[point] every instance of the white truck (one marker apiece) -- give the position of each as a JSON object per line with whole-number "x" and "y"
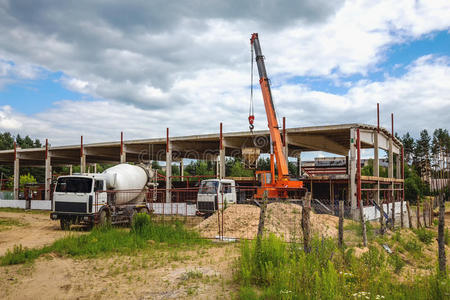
{"x": 113, "y": 196}
{"x": 213, "y": 192}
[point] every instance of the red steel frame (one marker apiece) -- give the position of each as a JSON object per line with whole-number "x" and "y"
{"x": 358, "y": 168}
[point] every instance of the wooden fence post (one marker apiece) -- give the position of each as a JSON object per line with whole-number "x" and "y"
{"x": 341, "y": 223}
{"x": 382, "y": 224}
{"x": 262, "y": 215}
{"x": 431, "y": 211}
{"x": 441, "y": 242}
{"x": 424, "y": 211}
{"x": 418, "y": 216}
{"x": 409, "y": 215}
{"x": 401, "y": 212}
{"x": 306, "y": 223}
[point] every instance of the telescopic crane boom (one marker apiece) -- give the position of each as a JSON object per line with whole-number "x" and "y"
{"x": 276, "y": 188}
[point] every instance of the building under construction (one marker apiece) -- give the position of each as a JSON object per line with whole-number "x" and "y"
{"x": 328, "y": 180}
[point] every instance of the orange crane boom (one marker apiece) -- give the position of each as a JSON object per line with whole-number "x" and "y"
{"x": 282, "y": 166}
{"x": 275, "y": 188}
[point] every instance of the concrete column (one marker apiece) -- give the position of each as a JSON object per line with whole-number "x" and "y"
{"x": 286, "y": 149}
{"x": 352, "y": 173}
{"x": 123, "y": 152}
{"x": 70, "y": 170}
{"x": 169, "y": 173}
{"x": 299, "y": 164}
{"x": 48, "y": 177}
{"x": 376, "y": 166}
{"x": 16, "y": 178}
{"x": 222, "y": 163}
{"x": 95, "y": 168}
{"x": 398, "y": 161}
{"x": 218, "y": 166}
{"x": 182, "y": 170}
{"x": 123, "y": 157}
{"x": 391, "y": 160}
{"x": 83, "y": 164}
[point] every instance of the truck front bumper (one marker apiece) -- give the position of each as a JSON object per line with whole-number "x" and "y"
{"x": 81, "y": 216}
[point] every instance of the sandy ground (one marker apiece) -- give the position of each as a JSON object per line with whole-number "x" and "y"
{"x": 283, "y": 219}
{"x": 39, "y": 231}
{"x": 203, "y": 273}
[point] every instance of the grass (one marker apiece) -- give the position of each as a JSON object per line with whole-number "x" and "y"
{"x": 108, "y": 240}
{"x": 424, "y": 235}
{"x": 7, "y": 223}
{"x": 357, "y": 228}
{"x": 20, "y": 210}
{"x": 272, "y": 269}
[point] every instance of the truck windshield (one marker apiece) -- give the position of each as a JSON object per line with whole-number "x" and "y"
{"x": 74, "y": 185}
{"x": 208, "y": 187}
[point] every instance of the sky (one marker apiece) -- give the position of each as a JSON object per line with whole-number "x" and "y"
{"x": 96, "y": 68}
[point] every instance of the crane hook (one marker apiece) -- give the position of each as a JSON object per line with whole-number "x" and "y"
{"x": 251, "y": 119}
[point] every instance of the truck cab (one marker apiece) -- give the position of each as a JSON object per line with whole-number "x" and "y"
{"x": 77, "y": 198}
{"x": 215, "y": 192}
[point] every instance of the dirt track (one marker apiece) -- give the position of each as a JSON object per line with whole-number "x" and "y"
{"x": 39, "y": 231}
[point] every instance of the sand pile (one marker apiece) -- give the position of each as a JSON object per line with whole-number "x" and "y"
{"x": 240, "y": 220}
{"x": 283, "y": 219}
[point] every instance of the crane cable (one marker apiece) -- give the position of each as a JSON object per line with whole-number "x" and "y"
{"x": 251, "y": 116}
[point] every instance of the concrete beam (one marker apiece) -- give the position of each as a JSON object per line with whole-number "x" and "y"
{"x": 318, "y": 143}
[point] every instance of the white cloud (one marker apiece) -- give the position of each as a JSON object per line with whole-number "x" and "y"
{"x": 188, "y": 67}
{"x": 420, "y": 99}
{"x": 7, "y": 120}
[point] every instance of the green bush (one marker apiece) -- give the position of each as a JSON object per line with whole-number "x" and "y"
{"x": 412, "y": 246}
{"x": 141, "y": 223}
{"x": 396, "y": 262}
{"x": 424, "y": 235}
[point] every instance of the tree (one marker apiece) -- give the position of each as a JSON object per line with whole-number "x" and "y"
{"x": 421, "y": 158}
{"x": 27, "y": 179}
{"x": 408, "y": 147}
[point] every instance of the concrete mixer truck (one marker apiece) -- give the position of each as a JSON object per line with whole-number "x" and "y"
{"x": 113, "y": 196}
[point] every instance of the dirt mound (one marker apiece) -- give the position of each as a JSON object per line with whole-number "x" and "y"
{"x": 283, "y": 219}
{"x": 240, "y": 220}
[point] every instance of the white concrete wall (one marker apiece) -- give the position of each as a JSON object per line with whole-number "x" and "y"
{"x": 41, "y": 204}
{"x": 35, "y": 204}
{"x": 173, "y": 209}
{"x": 372, "y": 213}
{"x": 13, "y": 203}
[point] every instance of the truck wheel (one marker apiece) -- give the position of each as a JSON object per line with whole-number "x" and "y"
{"x": 104, "y": 218}
{"x": 143, "y": 210}
{"x": 131, "y": 216}
{"x": 65, "y": 223}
